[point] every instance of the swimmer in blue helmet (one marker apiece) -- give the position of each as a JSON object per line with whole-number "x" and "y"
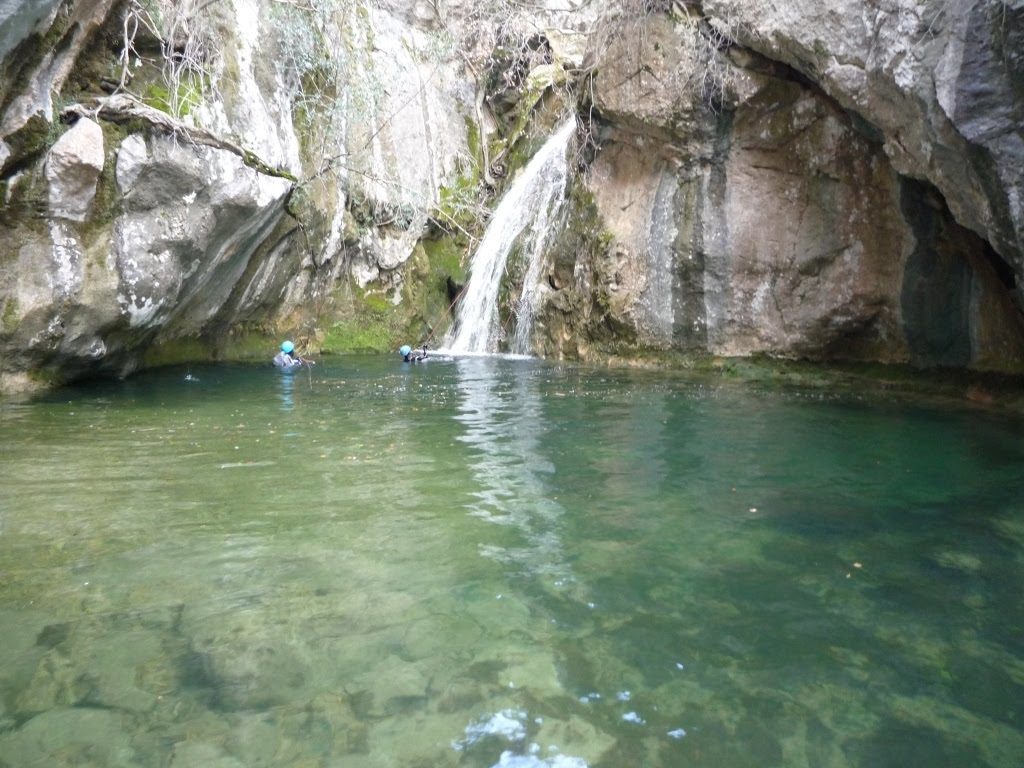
{"x": 408, "y": 357}
{"x": 287, "y": 358}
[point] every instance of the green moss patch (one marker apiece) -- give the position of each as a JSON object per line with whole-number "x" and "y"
{"x": 361, "y": 335}
{"x": 179, "y": 103}
{"x": 445, "y": 259}
{"x": 370, "y": 323}
{"x": 243, "y": 344}
{"x": 176, "y": 351}
{"x": 250, "y": 345}
{"x": 10, "y": 317}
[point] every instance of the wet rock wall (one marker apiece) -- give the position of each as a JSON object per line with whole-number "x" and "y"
{"x": 750, "y": 211}
{"x": 819, "y": 180}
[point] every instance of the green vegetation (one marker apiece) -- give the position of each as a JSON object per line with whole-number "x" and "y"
{"x": 444, "y": 256}
{"x": 10, "y": 316}
{"x": 251, "y": 343}
{"x": 187, "y": 96}
{"x": 459, "y": 207}
{"x": 371, "y": 324}
{"x": 434, "y": 263}
{"x": 473, "y": 143}
{"x": 365, "y": 334}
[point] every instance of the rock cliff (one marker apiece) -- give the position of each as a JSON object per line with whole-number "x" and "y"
{"x": 825, "y": 180}
{"x": 761, "y": 201}
{"x": 292, "y": 153}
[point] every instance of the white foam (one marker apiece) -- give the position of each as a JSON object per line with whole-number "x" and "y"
{"x": 509, "y": 760}
{"x": 508, "y": 724}
{"x": 448, "y": 352}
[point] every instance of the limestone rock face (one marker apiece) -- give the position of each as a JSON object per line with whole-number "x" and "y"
{"x": 405, "y": 142}
{"x": 113, "y": 245}
{"x": 88, "y": 295}
{"x": 752, "y": 212}
{"x": 33, "y": 74}
{"x": 818, "y": 178}
{"x": 804, "y": 250}
{"x": 18, "y": 20}
{"x": 191, "y": 222}
{"x": 942, "y": 83}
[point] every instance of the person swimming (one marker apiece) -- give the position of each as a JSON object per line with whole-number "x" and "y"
{"x": 287, "y": 358}
{"x": 408, "y": 356}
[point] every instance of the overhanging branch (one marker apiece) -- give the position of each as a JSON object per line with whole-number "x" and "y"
{"x": 122, "y": 108}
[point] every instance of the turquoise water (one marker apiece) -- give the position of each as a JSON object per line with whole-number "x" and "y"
{"x": 504, "y": 563}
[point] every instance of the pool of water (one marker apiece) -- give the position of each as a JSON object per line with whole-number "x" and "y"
{"x": 482, "y": 562}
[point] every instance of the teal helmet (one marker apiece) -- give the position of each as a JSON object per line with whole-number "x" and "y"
{"x": 287, "y": 347}
{"x": 405, "y": 350}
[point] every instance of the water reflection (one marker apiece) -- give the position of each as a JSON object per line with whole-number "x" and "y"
{"x": 287, "y": 385}
{"x": 631, "y": 461}
{"x": 501, "y": 409}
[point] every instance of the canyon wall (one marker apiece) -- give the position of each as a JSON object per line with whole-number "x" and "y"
{"x": 825, "y": 180}
{"x": 297, "y": 159}
{"x": 759, "y": 204}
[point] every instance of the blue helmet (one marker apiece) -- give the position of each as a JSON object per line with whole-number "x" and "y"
{"x": 287, "y": 347}
{"x": 405, "y": 350}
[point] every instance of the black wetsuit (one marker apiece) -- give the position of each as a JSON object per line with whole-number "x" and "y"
{"x": 285, "y": 360}
{"x": 415, "y": 358}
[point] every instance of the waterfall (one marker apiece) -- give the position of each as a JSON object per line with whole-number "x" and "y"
{"x": 530, "y": 205}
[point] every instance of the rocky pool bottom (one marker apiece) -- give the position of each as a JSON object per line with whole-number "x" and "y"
{"x": 484, "y": 562}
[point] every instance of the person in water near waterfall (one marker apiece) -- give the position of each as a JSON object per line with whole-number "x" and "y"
{"x": 409, "y": 357}
{"x": 287, "y": 358}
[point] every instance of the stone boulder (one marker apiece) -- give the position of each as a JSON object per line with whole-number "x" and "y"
{"x": 73, "y": 167}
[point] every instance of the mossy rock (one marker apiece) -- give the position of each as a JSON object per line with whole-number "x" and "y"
{"x": 445, "y": 257}
{"x": 473, "y": 138}
{"x": 368, "y": 323}
{"x": 33, "y": 139}
{"x": 360, "y": 335}
{"x": 176, "y": 351}
{"x": 252, "y": 344}
{"x": 11, "y": 316}
{"x": 457, "y": 210}
{"x": 435, "y": 271}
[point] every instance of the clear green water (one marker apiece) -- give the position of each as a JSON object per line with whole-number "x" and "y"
{"x": 485, "y": 562}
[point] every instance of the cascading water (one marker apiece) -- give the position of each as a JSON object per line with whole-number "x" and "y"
{"x": 530, "y": 205}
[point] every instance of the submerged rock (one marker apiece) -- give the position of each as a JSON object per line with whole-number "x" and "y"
{"x": 76, "y": 736}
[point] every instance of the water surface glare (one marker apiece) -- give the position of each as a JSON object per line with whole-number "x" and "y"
{"x": 489, "y": 562}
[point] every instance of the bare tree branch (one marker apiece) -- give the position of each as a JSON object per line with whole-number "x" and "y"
{"x": 121, "y": 108}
